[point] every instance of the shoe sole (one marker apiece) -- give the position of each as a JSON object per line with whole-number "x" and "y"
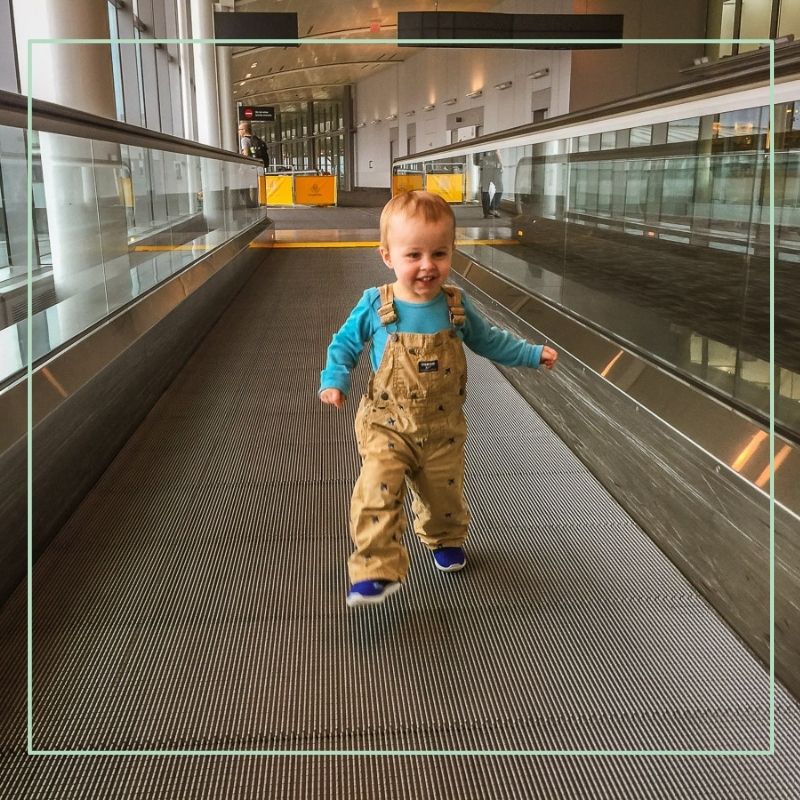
{"x": 354, "y": 601}
{"x": 451, "y": 568}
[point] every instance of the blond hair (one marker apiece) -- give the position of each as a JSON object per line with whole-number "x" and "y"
{"x": 431, "y": 207}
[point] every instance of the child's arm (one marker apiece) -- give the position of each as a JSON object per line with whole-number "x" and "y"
{"x": 333, "y": 397}
{"x": 548, "y": 357}
{"x": 345, "y": 350}
{"x": 502, "y": 346}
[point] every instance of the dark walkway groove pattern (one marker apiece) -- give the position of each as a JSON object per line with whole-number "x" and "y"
{"x": 195, "y": 601}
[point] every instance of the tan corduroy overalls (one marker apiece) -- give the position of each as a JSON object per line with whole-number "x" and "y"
{"x": 410, "y": 427}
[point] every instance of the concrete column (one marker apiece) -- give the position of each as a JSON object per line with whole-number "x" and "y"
{"x": 208, "y": 122}
{"x": 348, "y": 139}
{"x": 78, "y": 76}
{"x": 185, "y": 63}
{"x": 228, "y": 121}
{"x": 85, "y": 217}
{"x": 185, "y": 57}
{"x": 205, "y": 73}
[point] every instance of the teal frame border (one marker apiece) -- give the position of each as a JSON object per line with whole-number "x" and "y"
{"x": 421, "y": 42}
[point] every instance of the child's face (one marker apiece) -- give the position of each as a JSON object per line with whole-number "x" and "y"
{"x": 420, "y": 254}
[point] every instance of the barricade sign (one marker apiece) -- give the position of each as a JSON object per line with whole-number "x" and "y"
{"x": 406, "y": 183}
{"x": 449, "y": 185}
{"x": 315, "y": 190}
{"x": 277, "y": 190}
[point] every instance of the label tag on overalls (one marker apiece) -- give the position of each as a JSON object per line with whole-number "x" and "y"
{"x": 428, "y": 366}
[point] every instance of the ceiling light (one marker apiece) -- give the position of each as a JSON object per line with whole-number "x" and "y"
{"x": 249, "y": 75}
{"x": 376, "y": 121}
{"x": 476, "y": 93}
{"x": 391, "y": 116}
{"x": 503, "y": 85}
{"x": 254, "y": 65}
{"x": 451, "y": 101}
{"x": 410, "y": 113}
{"x": 429, "y": 107}
{"x": 361, "y": 124}
{"x": 540, "y": 73}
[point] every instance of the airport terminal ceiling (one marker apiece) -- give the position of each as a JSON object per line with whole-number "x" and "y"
{"x": 272, "y": 75}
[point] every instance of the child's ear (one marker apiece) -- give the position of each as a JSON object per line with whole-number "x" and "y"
{"x": 385, "y": 256}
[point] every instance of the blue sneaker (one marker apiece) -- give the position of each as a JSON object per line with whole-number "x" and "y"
{"x": 450, "y": 559}
{"x": 370, "y": 593}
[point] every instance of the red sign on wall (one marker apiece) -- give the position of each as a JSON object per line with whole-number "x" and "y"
{"x": 257, "y": 113}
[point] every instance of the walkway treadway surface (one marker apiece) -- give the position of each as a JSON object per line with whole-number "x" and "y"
{"x": 195, "y": 602}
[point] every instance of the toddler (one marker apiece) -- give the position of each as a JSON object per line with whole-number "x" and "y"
{"x": 410, "y": 425}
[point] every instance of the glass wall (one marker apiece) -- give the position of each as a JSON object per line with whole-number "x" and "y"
{"x": 146, "y": 76}
{"x": 657, "y": 234}
{"x": 110, "y": 221}
{"x": 306, "y": 137}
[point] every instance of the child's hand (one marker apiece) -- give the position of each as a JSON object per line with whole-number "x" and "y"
{"x": 548, "y": 357}
{"x": 332, "y": 397}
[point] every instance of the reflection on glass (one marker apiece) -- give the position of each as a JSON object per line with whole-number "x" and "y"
{"x": 684, "y": 130}
{"x": 641, "y": 135}
{"x": 665, "y": 246}
{"x": 110, "y": 222}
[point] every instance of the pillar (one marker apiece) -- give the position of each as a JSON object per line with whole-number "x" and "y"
{"x": 208, "y": 122}
{"x": 228, "y": 121}
{"x": 86, "y": 221}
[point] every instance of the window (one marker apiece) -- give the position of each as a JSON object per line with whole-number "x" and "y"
{"x": 749, "y": 19}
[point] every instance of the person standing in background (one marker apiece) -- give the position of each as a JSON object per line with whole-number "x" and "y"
{"x": 491, "y": 175}
{"x": 253, "y": 146}
{"x": 245, "y": 138}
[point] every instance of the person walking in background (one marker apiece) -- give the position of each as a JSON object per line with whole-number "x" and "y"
{"x": 410, "y": 426}
{"x": 491, "y": 176}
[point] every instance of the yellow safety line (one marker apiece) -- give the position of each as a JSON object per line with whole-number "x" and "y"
{"x": 314, "y": 244}
{"x": 147, "y": 248}
{"x": 374, "y": 244}
{"x": 487, "y": 241}
{"x": 141, "y": 248}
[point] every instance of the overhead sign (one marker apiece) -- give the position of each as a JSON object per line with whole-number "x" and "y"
{"x": 253, "y": 26}
{"x": 472, "y": 25}
{"x": 256, "y": 113}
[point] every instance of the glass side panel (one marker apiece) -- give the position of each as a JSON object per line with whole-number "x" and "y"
{"x": 665, "y": 247}
{"x": 110, "y": 222}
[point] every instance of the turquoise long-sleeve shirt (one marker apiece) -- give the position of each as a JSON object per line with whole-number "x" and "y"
{"x": 364, "y": 325}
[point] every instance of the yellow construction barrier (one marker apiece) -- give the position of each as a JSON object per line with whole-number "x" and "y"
{"x": 275, "y": 190}
{"x": 315, "y": 190}
{"x": 449, "y": 185}
{"x": 125, "y": 187}
{"x": 406, "y": 183}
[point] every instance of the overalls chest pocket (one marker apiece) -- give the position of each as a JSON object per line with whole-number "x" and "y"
{"x": 429, "y": 367}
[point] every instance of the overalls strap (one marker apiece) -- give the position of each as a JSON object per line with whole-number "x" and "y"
{"x": 386, "y": 311}
{"x": 457, "y": 314}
